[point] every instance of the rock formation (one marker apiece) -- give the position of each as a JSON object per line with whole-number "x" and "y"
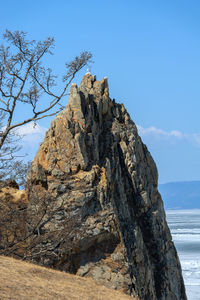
{"x": 94, "y": 205}
{"x": 13, "y": 230}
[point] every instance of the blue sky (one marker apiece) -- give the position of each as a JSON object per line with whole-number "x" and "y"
{"x": 150, "y": 52}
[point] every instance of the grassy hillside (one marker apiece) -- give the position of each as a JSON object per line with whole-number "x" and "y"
{"x": 24, "y": 281}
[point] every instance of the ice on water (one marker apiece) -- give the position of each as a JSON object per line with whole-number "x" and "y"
{"x": 185, "y": 229}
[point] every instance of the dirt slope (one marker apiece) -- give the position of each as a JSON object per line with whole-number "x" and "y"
{"x": 23, "y": 281}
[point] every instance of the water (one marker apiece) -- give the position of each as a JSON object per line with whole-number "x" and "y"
{"x": 185, "y": 230}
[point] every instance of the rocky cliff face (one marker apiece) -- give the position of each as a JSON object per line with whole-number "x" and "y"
{"x": 94, "y": 205}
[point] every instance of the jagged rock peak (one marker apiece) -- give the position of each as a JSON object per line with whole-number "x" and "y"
{"x": 94, "y": 200}
{"x": 90, "y": 85}
{"x": 89, "y": 90}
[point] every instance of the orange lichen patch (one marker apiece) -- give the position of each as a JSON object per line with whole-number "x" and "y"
{"x": 13, "y": 195}
{"x": 103, "y": 180}
{"x": 82, "y": 175}
{"x": 42, "y": 160}
{"x": 60, "y": 165}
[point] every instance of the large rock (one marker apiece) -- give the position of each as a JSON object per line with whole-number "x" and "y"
{"x": 94, "y": 205}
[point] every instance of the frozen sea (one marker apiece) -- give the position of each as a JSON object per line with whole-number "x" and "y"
{"x": 185, "y": 230}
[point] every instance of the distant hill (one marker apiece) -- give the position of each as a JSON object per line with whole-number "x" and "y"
{"x": 181, "y": 195}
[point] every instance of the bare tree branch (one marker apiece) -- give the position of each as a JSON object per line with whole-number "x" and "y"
{"x": 24, "y": 80}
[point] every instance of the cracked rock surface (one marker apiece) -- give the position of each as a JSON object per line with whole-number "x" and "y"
{"x": 94, "y": 200}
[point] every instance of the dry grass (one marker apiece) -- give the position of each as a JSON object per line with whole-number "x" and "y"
{"x": 23, "y": 281}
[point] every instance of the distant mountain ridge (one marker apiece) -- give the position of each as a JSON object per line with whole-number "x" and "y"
{"x": 181, "y": 195}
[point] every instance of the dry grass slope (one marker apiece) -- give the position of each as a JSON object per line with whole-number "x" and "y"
{"x": 23, "y": 281}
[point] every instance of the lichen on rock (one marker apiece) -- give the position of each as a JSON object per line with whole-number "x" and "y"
{"x": 94, "y": 200}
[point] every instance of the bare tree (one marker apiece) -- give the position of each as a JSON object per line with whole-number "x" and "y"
{"x": 11, "y": 164}
{"x": 48, "y": 235}
{"x": 25, "y": 80}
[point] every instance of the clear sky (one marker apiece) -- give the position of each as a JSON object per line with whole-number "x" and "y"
{"x": 150, "y": 52}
